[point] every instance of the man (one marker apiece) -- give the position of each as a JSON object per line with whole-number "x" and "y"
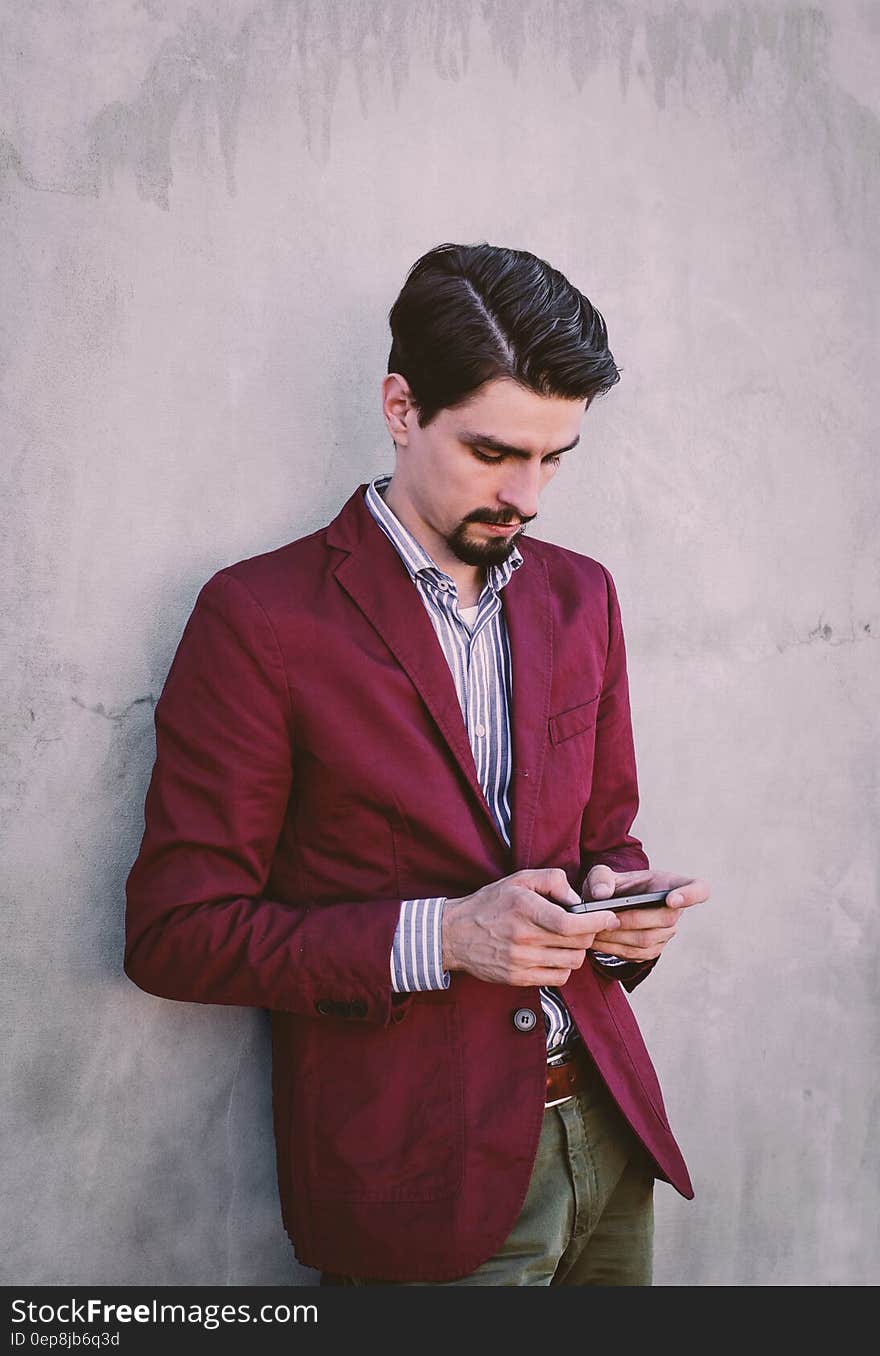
{"x": 389, "y": 756}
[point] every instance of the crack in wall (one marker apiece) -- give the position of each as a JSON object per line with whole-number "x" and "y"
{"x": 824, "y": 632}
{"x": 100, "y": 710}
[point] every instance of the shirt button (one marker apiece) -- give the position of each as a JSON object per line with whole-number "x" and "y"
{"x": 524, "y": 1019}
{"x": 480, "y": 731}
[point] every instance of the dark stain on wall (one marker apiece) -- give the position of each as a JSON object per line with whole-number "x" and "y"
{"x": 209, "y": 63}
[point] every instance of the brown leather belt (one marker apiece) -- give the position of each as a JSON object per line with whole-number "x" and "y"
{"x": 567, "y": 1074}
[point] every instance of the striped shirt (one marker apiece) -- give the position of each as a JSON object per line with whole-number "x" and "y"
{"x": 475, "y": 645}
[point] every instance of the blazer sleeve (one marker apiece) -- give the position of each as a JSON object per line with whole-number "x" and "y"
{"x": 199, "y": 927}
{"x": 605, "y": 836}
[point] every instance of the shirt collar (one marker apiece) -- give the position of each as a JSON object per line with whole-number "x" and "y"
{"x": 413, "y": 554}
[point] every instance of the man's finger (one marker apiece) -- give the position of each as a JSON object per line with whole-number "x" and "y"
{"x": 637, "y": 920}
{"x": 600, "y": 877}
{"x": 633, "y": 953}
{"x": 600, "y": 882}
{"x": 551, "y": 883}
{"x": 544, "y": 978}
{"x": 683, "y": 896}
{"x": 555, "y": 957}
{"x": 638, "y": 937}
{"x": 571, "y": 925}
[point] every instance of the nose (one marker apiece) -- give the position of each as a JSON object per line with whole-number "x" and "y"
{"x": 520, "y": 487}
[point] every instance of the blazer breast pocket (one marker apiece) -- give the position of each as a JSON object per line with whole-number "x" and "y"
{"x": 576, "y": 720}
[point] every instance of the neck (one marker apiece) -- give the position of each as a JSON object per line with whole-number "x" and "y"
{"x": 469, "y": 579}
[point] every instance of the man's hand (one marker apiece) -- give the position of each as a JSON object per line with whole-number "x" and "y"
{"x": 643, "y": 933}
{"x": 517, "y": 931}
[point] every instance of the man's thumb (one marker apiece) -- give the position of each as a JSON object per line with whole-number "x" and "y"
{"x": 601, "y": 882}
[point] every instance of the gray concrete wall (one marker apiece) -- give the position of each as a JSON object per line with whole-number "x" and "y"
{"x": 207, "y": 209}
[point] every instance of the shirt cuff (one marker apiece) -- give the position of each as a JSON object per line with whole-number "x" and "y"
{"x": 417, "y": 949}
{"x": 610, "y": 960}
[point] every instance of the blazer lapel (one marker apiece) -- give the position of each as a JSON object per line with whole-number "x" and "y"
{"x": 375, "y": 578}
{"x": 529, "y": 617}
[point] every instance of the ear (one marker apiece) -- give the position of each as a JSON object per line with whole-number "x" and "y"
{"x": 397, "y": 401}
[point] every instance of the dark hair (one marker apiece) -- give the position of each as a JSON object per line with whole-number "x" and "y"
{"x": 468, "y": 314}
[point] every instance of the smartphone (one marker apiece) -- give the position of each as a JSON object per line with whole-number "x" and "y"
{"x": 620, "y": 902}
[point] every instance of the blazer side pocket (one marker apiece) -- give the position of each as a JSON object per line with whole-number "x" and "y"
{"x": 387, "y": 1117}
{"x": 576, "y": 720}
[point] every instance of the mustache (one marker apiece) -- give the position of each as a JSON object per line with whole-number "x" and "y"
{"x": 502, "y": 519}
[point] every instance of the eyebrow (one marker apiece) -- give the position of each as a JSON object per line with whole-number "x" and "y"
{"x": 496, "y": 445}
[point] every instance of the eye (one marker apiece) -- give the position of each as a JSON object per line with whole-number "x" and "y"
{"x": 482, "y": 456}
{"x": 554, "y": 459}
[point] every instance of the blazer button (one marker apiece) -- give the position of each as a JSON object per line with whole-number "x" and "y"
{"x": 524, "y": 1019}
{"x": 324, "y": 1007}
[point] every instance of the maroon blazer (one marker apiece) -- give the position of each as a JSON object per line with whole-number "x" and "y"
{"x": 313, "y": 770}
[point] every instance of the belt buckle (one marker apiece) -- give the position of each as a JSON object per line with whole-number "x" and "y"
{"x": 564, "y": 1056}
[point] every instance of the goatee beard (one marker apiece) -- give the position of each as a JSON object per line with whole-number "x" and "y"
{"x": 494, "y": 551}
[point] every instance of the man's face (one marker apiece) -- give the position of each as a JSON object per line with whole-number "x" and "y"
{"x": 469, "y": 483}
